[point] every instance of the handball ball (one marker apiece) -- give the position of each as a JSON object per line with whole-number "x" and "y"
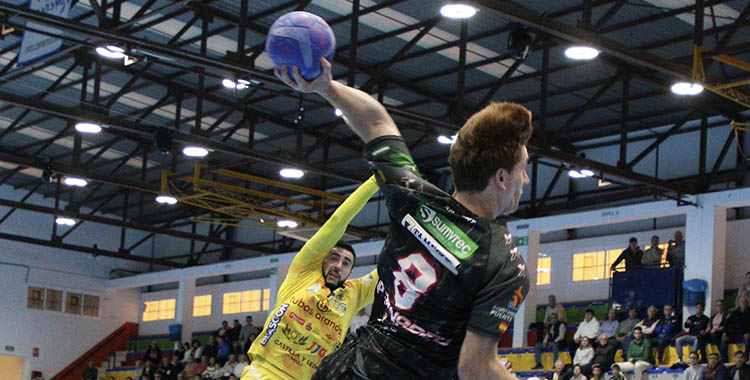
{"x": 300, "y": 39}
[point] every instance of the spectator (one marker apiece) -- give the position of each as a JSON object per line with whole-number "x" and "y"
{"x": 359, "y": 320}
{"x": 165, "y": 368}
{"x": 584, "y": 355}
{"x": 639, "y": 355}
{"x": 625, "y": 329}
{"x": 174, "y": 369}
{"x": 616, "y": 374}
{"x": 197, "y": 350}
{"x": 211, "y": 349}
{"x": 577, "y": 373}
{"x": 652, "y": 256}
{"x": 91, "y": 372}
{"x": 180, "y": 351}
{"x": 554, "y": 307}
{"x": 243, "y": 341}
{"x": 737, "y": 327}
{"x": 224, "y": 350}
{"x": 596, "y": 373}
{"x": 588, "y": 328}
{"x": 243, "y": 362}
{"x": 234, "y": 332}
{"x": 203, "y": 364}
{"x": 697, "y": 325}
{"x": 158, "y": 376}
{"x": 648, "y": 325}
{"x": 609, "y": 326}
{"x": 740, "y": 370}
{"x": 604, "y": 355}
{"x": 213, "y": 370}
{"x": 188, "y": 352}
{"x": 190, "y": 368}
{"x": 744, "y": 290}
{"x": 554, "y": 339}
{"x": 676, "y": 251}
{"x": 153, "y": 352}
{"x": 718, "y": 320}
{"x": 138, "y": 371}
{"x": 228, "y": 367}
{"x": 223, "y": 330}
{"x": 715, "y": 370}
{"x": 150, "y": 369}
{"x": 666, "y": 331}
{"x": 559, "y": 373}
{"x": 632, "y": 256}
{"x": 694, "y": 371}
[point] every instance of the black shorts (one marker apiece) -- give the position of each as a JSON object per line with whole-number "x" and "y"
{"x": 363, "y": 358}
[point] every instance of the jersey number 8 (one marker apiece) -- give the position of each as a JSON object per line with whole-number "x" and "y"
{"x": 415, "y": 277}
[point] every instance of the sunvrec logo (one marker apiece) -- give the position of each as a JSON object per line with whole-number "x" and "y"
{"x": 449, "y": 236}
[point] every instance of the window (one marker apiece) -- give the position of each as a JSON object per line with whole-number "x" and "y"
{"x": 35, "y": 298}
{"x": 202, "y": 306}
{"x": 591, "y": 266}
{"x": 159, "y": 310}
{"x": 90, "y": 305}
{"x": 73, "y": 303}
{"x": 543, "y": 270}
{"x": 53, "y": 300}
{"x": 246, "y": 301}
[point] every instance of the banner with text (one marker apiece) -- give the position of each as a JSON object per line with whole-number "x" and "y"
{"x": 36, "y": 46}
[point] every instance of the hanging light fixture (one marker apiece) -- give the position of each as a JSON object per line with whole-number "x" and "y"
{"x": 75, "y": 181}
{"x": 166, "y": 199}
{"x": 286, "y": 223}
{"x": 458, "y": 10}
{"x": 686, "y": 88}
{"x": 581, "y": 53}
{"x": 65, "y": 221}
{"x": 443, "y": 139}
{"x": 111, "y": 52}
{"x": 195, "y": 151}
{"x": 86, "y": 127}
{"x": 291, "y": 173}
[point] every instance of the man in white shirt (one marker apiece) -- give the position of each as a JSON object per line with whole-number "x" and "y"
{"x": 588, "y": 328}
{"x": 695, "y": 370}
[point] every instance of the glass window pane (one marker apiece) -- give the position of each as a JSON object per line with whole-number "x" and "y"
{"x": 35, "y": 299}
{"x": 202, "y": 306}
{"x": 53, "y": 300}
{"x": 91, "y": 305}
{"x": 231, "y": 304}
{"x": 73, "y": 303}
{"x": 266, "y": 298}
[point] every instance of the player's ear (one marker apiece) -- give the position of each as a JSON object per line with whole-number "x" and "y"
{"x": 500, "y": 178}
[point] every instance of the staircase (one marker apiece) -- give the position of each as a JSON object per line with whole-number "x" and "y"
{"x": 99, "y": 353}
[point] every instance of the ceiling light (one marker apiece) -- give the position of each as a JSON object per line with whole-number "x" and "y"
{"x": 443, "y": 139}
{"x": 74, "y": 181}
{"x": 286, "y": 223}
{"x": 587, "y": 172}
{"x": 228, "y": 83}
{"x": 195, "y": 151}
{"x": 458, "y": 10}
{"x": 239, "y": 84}
{"x": 338, "y": 112}
{"x": 291, "y": 173}
{"x": 85, "y": 127}
{"x": 581, "y": 53}
{"x": 687, "y": 88}
{"x": 111, "y": 51}
{"x": 166, "y": 199}
{"x": 65, "y": 221}
{"x": 583, "y": 173}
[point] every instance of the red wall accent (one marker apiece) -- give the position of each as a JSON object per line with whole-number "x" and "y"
{"x": 113, "y": 342}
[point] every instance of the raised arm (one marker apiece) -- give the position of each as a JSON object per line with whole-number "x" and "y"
{"x": 479, "y": 360}
{"x": 364, "y": 115}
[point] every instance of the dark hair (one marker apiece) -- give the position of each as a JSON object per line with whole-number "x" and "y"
{"x": 638, "y": 328}
{"x": 344, "y": 245}
{"x": 713, "y": 354}
{"x": 491, "y": 139}
{"x": 615, "y": 366}
{"x": 589, "y": 311}
{"x": 739, "y": 352}
{"x": 700, "y": 303}
{"x": 633, "y": 239}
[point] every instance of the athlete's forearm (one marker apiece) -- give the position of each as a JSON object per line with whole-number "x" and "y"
{"x": 489, "y": 370}
{"x": 365, "y": 116}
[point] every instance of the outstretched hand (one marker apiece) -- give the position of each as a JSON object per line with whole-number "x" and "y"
{"x": 297, "y": 82}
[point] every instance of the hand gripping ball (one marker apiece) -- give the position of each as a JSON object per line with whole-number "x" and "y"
{"x": 301, "y": 38}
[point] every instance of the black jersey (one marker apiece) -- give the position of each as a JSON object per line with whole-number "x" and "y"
{"x": 443, "y": 270}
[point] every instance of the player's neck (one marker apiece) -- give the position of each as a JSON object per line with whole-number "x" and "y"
{"x": 480, "y": 203}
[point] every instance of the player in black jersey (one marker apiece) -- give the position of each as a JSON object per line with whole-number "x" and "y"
{"x": 451, "y": 278}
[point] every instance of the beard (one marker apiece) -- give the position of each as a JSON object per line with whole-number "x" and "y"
{"x": 334, "y": 283}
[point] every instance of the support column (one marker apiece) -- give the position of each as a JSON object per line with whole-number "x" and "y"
{"x": 527, "y": 313}
{"x": 184, "y": 307}
{"x": 705, "y": 250}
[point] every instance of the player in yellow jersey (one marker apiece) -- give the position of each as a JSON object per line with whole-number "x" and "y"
{"x": 316, "y": 302}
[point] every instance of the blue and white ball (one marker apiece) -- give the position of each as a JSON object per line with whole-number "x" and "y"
{"x": 300, "y": 39}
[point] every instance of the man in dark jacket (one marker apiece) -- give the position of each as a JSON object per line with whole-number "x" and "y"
{"x": 737, "y": 327}
{"x": 697, "y": 325}
{"x": 740, "y": 370}
{"x": 604, "y": 355}
{"x": 632, "y": 256}
{"x": 715, "y": 370}
{"x": 666, "y": 330}
{"x": 554, "y": 339}
{"x": 90, "y": 373}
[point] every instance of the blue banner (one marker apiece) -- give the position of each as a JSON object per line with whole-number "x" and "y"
{"x": 36, "y": 46}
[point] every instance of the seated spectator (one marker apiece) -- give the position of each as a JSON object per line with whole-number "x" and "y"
{"x": 584, "y": 355}
{"x": 697, "y": 325}
{"x": 737, "y": 327}
{"x": 588, "y": 328}
{"x": 190, "y": 368}
{"x": 91, "y": 372}
{"x": 223, "y": 330}
{"x": 138, "y": 371}
{"x": 180, "y": 351}
{"x": 201, "y": 367}
{"x": 188, "y": 352}
{"x": 229, "y": 365}
{"x": 197, "y": 350}
{"x": 639, "y": 355}
{"x": 153, "y": 353}
{"x": 633, "y": 255}
{"x": 616, "y": 374}
{"x": 243, "y": 362}
{"x": 648, "y": 326}
{"x": 553, "y": 307}
{"x": 666, "y": 331}
{"x": 224, "y": 350}
{"x": 165, "y": 367}
{"x": 609, "y": 326}
{"x": 234, "y": 332}
{"x": 577, "y": 373}
{"x": 715, "y": 370}
{"x": 211, "y": 349}
{"x": 694, "y": 371}
{"x": 744, "y": 290}
{"x": 652, "y": 256}
{"x": 150, "y": 369}
{"x": 604, "y": 355}
{"x": 243, "y": 344}
{"x": 158, "y": 376}
{"x": 554, "y": 339}
{"x": 625, "y": 329}
{"x": 176, "y": 367}
{"x": 718, "y": 320}
{"x": 740, "y": 370}
{"x": 213, "y": 370}
{"x": 596, "y": 373}
{"x": 676, "y": 251}
{"x": 559, "y": 373}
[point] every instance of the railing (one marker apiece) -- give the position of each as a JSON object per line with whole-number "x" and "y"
{"x": 113, "y": 342}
